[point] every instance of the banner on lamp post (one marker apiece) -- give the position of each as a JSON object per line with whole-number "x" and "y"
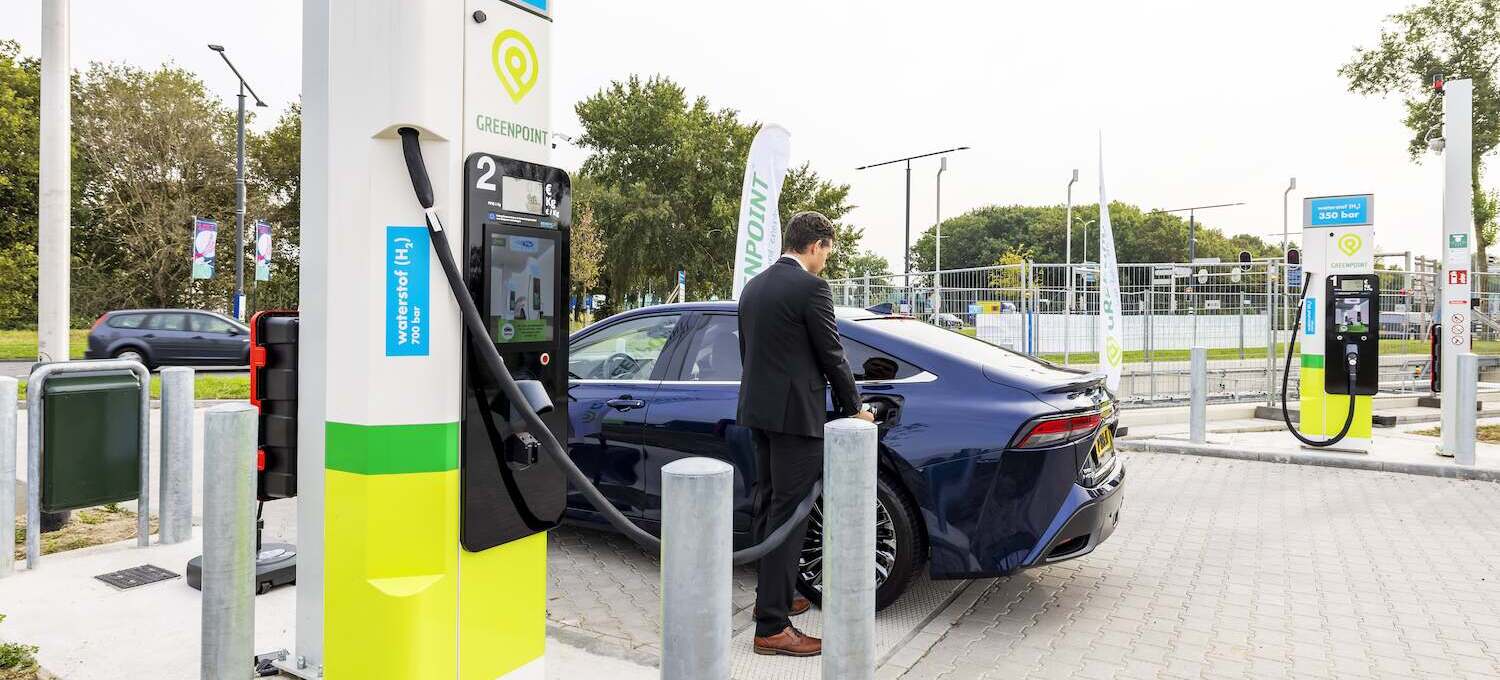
{"x": 1111, "y": 347}
{"x": 758, "y": 242}
{"x": 205, "y": 239}
{"x": 262, "y": 251}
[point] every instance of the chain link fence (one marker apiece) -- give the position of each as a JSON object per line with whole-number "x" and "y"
{"x": 1242, "y": 312}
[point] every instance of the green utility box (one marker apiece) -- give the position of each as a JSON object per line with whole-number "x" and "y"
{"x": 91, "y": 429}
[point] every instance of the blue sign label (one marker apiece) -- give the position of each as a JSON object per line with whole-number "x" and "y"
{"x": 1294, "y": 276}
{"x": 974, "y": 309}
{"x": 407, "y": 279}
{"x": 1337, "y": 211}
{"x": 1310, "y": 318}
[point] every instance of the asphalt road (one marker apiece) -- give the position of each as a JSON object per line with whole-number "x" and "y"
{"x": 20, "y": 369}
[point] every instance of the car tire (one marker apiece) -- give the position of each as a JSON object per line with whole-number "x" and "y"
{"x": 134, "y": 354}
{"x": 896, "y": 520}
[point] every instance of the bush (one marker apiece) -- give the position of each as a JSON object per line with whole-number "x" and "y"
{"x": 16, "y": 661}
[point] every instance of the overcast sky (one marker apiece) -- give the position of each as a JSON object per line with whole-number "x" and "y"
{"x": 1199, "y": 102}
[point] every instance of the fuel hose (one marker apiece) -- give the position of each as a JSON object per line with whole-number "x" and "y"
{"x": 489, "y": 356}
{"x": 1286, "y": 376}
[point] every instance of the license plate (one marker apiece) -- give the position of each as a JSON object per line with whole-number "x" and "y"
{"x": 1104, "y": 446}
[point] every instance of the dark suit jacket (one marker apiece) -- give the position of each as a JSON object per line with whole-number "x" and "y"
{"x": 790, "y": 349}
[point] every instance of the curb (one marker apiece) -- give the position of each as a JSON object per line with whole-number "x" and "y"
{"x": 1348, "y": 462}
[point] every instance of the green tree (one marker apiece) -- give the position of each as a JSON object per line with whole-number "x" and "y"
{"x": 1451, "y": 38}
{"x": 857, "y": 264}
{"x": 20, "y": 92}
{"x": 586, "y": 251}
{"x": 979, "y": 237}
{"x": 666, "y": 173}
{"x": 158, "y": 150}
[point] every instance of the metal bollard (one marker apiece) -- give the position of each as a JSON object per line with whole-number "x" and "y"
{"x": 8, "y": 416}
{"x": 228, "y": 541}
{"x": 1467, "y": 396}
{"x": 697, "y": 539}
{"x": 1198, "y": 410}
{"x": 848, "y": 559}
{"x": 176, "y": 488}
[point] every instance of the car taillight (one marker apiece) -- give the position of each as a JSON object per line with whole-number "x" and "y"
{"x": 1054, "y": 430}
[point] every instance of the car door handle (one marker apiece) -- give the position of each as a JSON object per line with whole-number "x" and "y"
{"x": 197, "y": 337}
{"x": 625, "y": 403}
{"x": 149, "y": 335}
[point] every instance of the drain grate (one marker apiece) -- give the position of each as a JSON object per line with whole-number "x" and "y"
{"x": 126, "y": 579}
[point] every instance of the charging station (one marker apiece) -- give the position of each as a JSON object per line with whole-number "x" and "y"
{"x": 422, "y": 498}
{"x": 1340, "y": 322}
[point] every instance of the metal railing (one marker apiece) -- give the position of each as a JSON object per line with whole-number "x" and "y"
{"x": 1242, "y": 314}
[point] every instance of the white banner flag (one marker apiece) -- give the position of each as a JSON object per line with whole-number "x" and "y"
{"x": 1111, "y": 347}
{"x": 759, "y": 241}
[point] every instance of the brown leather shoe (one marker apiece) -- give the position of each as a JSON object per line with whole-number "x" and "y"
{"x": 800, "y": 605}
{"x": 789, "y": 642}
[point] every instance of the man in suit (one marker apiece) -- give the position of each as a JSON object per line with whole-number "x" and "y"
{"x": 790, "y": 350}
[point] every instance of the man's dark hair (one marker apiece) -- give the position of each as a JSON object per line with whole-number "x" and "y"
{"x": 807, "y": 228}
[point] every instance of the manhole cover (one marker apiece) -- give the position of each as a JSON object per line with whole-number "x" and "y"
{"x": 126, "y": 579}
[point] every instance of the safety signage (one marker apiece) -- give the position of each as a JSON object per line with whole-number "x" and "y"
{"x": 1211, "y": 304}
{"x": 407, "y": 275}
{"x": 1458, "y": 277}
{"x": 1310, "y": 317}
{"x": 1338, "y": 211}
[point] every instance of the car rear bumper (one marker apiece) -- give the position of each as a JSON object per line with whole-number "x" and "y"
{"x": 1034, "y": 513}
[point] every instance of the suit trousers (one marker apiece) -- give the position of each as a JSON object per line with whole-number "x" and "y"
{"x": 786, "y": 467}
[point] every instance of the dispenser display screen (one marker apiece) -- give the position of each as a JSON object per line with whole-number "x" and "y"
{"x": 522, "y": 287}
{"x": 521, "y": 195}
{"x": 1352, "y": 314}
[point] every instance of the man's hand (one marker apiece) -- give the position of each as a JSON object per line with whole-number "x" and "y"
{"x": 865, "y": 416}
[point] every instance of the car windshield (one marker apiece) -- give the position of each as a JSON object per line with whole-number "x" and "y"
{"x": 952, "y": 342}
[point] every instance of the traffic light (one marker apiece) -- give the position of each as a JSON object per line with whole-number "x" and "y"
{"x": 273, "y": 390}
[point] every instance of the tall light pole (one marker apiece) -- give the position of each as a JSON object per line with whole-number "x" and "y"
{"x": 1193, "y": 223}
{"x": 937, "y": 269}
{"x": 906, "y": 254}
{"x": 1086, "y": 241}
{"x": 55, "y": 188}
{"x": 1289, "y": 187}
{"x": 239, "y": 189}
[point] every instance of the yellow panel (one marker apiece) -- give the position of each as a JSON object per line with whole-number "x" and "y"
{"x": 503, "y": 615}
{"x": 1310, "y": 410}
{"x": 390, "y": 576}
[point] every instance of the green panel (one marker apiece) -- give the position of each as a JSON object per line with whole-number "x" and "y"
{"x": 90, "y": 441}
{"x": 1312, "y": 361}
{"x": 391, "y": 449}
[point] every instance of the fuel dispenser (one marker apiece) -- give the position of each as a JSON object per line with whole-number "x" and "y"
{"x": 516, "y": 220}
{"x": 1338, "y": 316}
{"x": 431, "y": 397}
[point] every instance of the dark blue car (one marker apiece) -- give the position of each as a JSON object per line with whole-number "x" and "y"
{"x": 990, "y": 461}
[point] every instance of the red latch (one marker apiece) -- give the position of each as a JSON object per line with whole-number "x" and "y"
{"x": 260, "y": 460}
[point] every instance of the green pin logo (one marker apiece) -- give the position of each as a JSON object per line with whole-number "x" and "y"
{"x": 1350, "y": 244}
{"x": 1112, "y": 352}
{"x": 514, "y": 59}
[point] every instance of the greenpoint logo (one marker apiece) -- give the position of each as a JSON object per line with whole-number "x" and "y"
{"x": 514, "y": 59}
{"x": 1350, "y": 244}
{"x": 1112, "y": 352}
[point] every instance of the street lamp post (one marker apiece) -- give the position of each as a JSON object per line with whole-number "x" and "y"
{"x": 1086, "y": 241}
{"x": 1068, "y": 271}
{"x": 937, "y": 269}
{"x": 238, "y": 303}
{"x": 1289, "y": 187}
{"x": 1193, "y": 223}
{"x": 906, "y": 254}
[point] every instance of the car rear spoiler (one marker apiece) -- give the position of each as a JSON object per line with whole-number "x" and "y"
{"x": 1082, "y": 383}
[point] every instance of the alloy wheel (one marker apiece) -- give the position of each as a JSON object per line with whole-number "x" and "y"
{"x": 810, "y": 563}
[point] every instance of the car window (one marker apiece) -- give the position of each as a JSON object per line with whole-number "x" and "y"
{"x": 714, "y": 353}
{"x": 167, "y": 322}
{"x": 126, "y": 320}
{"x": 627, "y": 350}
{"x": 869, "y": 363}
{"x": 204, "y": 323}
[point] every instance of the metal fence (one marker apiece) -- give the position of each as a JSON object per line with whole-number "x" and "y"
{"x": 1236, "y": 310}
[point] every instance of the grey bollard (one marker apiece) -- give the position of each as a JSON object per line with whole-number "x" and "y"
{"x": 1467, "y": 395}
{"x": 697, "y": 539}
{"x": 1198, "y": 410}
{"x": 848, "y": 549}
{"x": 228, "y": 541}
{"x": 8, "y": 415}
{"x": 176, "y": 488}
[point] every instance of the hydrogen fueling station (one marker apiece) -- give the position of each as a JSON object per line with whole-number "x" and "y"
{"x": 420, "y": 409}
